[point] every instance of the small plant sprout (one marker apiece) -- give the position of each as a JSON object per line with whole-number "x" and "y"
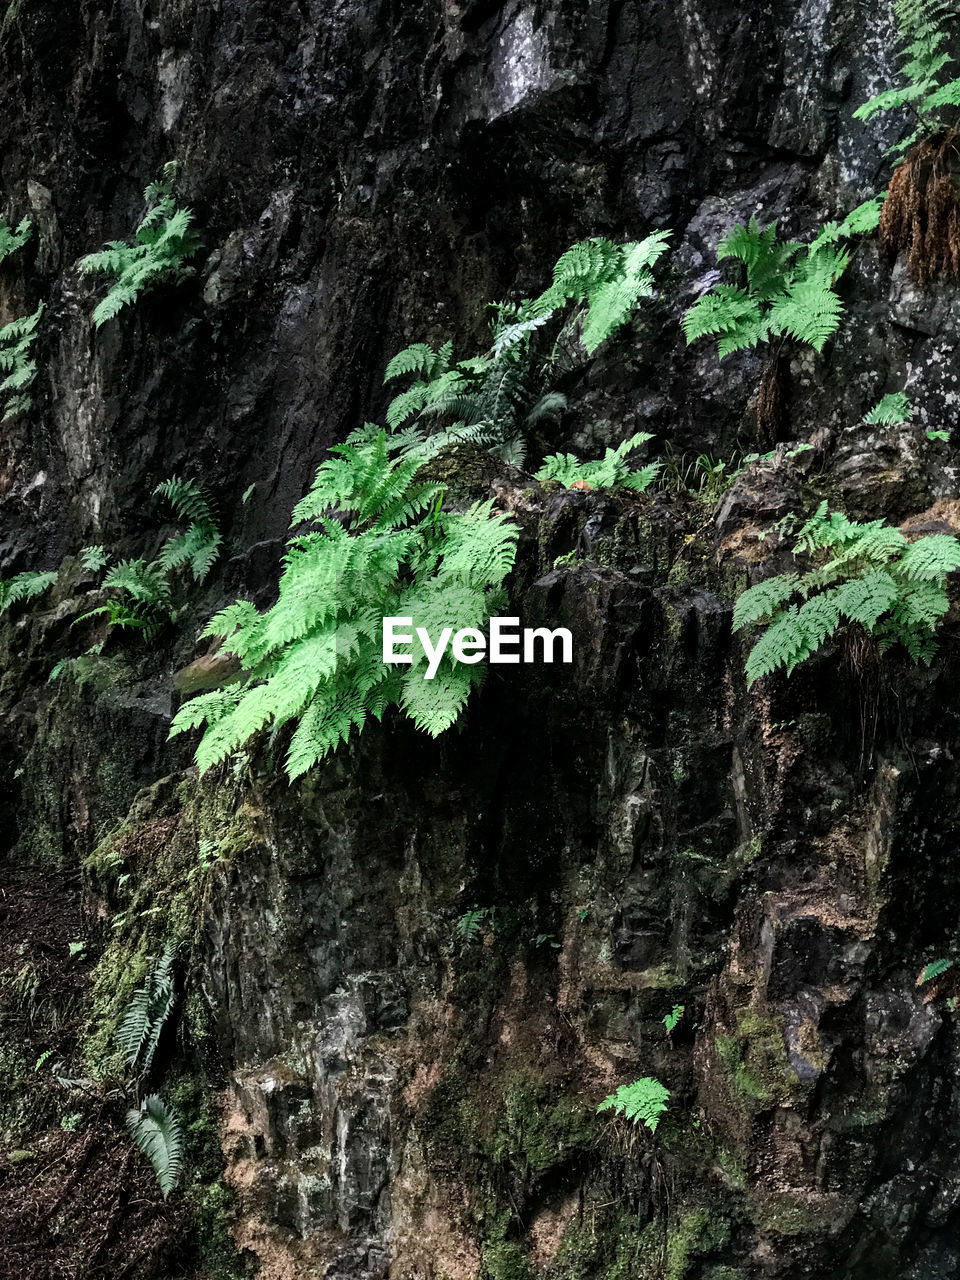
{"x": 468, "y": 926}
{"x": 673, "y": 1017}
{"x": 208, "y": 851}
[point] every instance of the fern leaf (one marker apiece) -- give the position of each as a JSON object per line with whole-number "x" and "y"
{"x": 727, "y": 311}
{"x": 810, "y": 312}
{"x": 23, "y": 587}
{"x": 512, "y": 334}
{"x": 164, "y": 244}
{"x": 150, "y": 1006}
{"x": 642, "y": 1102}
{"x": 783, "y": 644}
{"x": 935, "y": 969}
{"x": 867, "y": 598}
{"x": 404, "y": 406}
{"x": 762, "y": 600}
{"x": 94, "y": 559}
{"x": 158, "y": 1133}
{"x": 187, "y": 499}
{"x": 890, "y": 411}
{"x": 12, "y": 240}
{"x": 864, "y": 219}
{"x": 314, "y": 657}
{"x": 418, "y": 358}
{"x": 931, "y": 558}
{"x": 548, "y": 408}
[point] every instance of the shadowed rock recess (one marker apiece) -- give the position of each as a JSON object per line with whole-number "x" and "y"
{"x": 372, "y": 1082}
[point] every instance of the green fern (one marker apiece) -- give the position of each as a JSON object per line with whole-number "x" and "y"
{"x": 198, "y": 547}
{"x": 142, "y": 601}
{"x": 164, "y": 243}
{"x": 642, "y": 1102}
{"x": 18, "y": 364}
{"x": 491, "y": 401}
{"x": 788, "y": 288}
{"x": 315, "y": 657}
{"x": 468, "y": 925}
{"x": 94, "y": 559}
{"x": 673, "y": 1018}
{"x": 496, "y": 399}
{"x": 610, "y": 279}
{"x": 150, "y": 1007}
{"x": 864, "y": 574}
{"x": 157, "y": 1131}
{"x": 890, "y": 411}
{"x": 610, "y": 472}
{"x": 11, "y": 240}
{"x": 931, "y": 91}
{"x": 23, "y": 587}
{"x": 935, "y": 969}
{"x": 83, "y": 668}
{"x": 143, "y": 592}
{"x": 187, "y": 499}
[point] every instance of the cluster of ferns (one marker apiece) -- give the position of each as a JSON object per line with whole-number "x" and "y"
{"x": 372, "y": 537}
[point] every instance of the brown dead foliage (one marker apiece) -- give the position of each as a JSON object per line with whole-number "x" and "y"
{"x": 921, "y": 214}
{"x": 85, "y": 1205}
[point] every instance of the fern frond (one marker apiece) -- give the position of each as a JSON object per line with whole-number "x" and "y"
{"x": 609, "y": 472}
{"x": 872, "y": 578}
{"x": 187, "y": 499}
{"x": 931, "y": 558}
{"x": 12, "y": 240}
{"x": 762, "y": 600}
{"x": 23, "y": 587}
{"x": 150, "y": 1006}
{"x": 727, "y": 311}
{"x": 612, "y": 301}
{"x": 158, "y": 1133}
{"x": 314, "y": 657}
{"x": 511, "y": 334}
{"x": 16, "y": 360}
{"x": 164, "y": 243}
{"x": 94, "y": 559}
{"x": 142, "y": 581}
{"x": 927, "y": 34}
{"x": 867, "y": 598}
{"x": 421, "y": 359}
{"x": 890, "y": 411}
{"x": 642, "y": 1102}
{"x": 641, "y": 480}
{"x": 862, "y": 220}
{"x": 548, "y": 408}
{"x": 935, "y": 969}
{"x": 810, "y": 312}
{"x": 783, "y": 644}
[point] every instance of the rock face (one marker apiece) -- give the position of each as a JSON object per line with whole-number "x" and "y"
{"x": 411, "y": 978}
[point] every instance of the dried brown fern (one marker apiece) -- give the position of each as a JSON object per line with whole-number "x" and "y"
{"x": 921, "y": 214}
